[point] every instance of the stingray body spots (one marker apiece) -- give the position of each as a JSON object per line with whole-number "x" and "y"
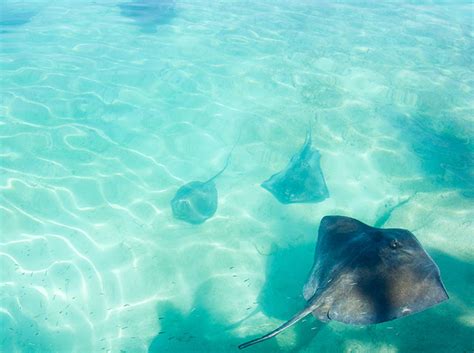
{"x": 195, "y": 202}
{"x": 302, "y": 181}
{"x": 365, "y": 275}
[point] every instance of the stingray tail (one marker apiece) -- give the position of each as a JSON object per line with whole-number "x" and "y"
{"x": 283, "y": 327}
{"x": 309, "y": 135}
{"x": 228, "y": 158}
{"x": 222, "y": 170}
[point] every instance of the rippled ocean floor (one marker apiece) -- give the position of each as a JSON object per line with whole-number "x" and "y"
{"x": 108, "y": 107}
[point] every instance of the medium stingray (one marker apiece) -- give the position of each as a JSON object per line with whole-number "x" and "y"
{"x": 365, "y": 275}
{"x": 302, "y": 180}
{"x": 196, "y": 201}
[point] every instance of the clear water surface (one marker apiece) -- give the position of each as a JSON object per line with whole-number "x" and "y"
{"x": 108, "y": 107}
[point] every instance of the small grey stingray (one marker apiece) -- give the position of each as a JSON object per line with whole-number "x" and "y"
{"x": 196, "y": 201}
{"x": 365, "y": 275}
{"x": 302, "y": 181}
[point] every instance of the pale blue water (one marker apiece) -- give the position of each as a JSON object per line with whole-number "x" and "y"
{"x": 108, "y": 107}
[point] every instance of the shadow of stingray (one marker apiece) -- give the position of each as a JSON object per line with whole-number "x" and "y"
{"x": 207, "y": 328}
{"x": 197, "y": 331}
{"x": 14, "y": 16}
{"x": 282, "y": 293}
{"x": 287, "y": 271}
{"x": 21, "y": 333}
{"x": 447, "y": 159}
{"x": 149, "y": 14}
{"x": 175, "y": 330}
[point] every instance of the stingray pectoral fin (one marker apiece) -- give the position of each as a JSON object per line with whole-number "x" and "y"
{"x": 283, "y": 327}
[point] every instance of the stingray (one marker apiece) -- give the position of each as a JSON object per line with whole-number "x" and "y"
{"x": 148, "y": 14}
{"x": 302, "y": 180}
{"x": 365, "y": 275}
{"x": 196, "y": 201}
{"x": 12, "y": 16}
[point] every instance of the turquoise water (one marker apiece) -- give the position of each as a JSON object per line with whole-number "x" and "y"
{"x": 108, "y": 107}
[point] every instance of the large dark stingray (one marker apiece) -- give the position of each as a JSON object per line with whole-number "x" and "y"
{"x": 196, "y": 201}
{"x": 365, "y": 275}
{"x": 302, "y": 180}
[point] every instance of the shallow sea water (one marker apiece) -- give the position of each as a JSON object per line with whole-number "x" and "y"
{"x": 108, "y": 107}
